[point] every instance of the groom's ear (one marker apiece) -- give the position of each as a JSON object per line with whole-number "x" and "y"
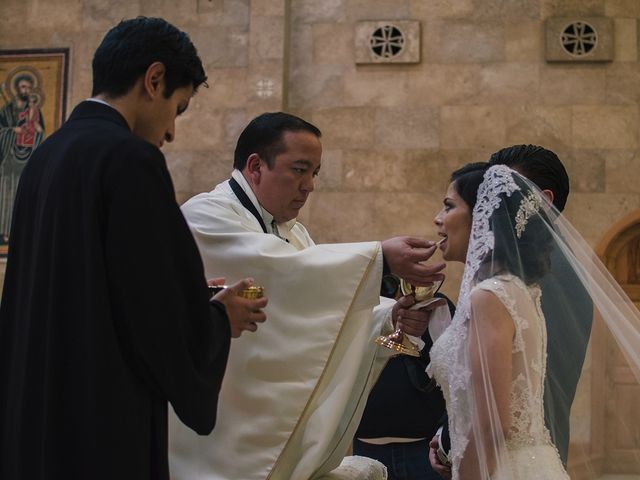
{"x": 549, "y": 194}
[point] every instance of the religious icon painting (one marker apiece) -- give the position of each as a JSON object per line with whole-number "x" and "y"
{"x": 33, "y": 89}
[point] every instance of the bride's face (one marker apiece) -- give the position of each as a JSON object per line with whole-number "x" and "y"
{"x": 454, "y": 225}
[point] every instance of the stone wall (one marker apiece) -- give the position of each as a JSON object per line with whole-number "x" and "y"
{"x": 392, "y": 133}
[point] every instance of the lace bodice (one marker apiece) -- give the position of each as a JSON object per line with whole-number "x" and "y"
{"x": 449, "y": 366}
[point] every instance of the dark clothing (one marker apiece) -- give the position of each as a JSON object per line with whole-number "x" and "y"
{"x": 105, "y": 314}
{"x": 405, "y": 403}
{"x": 568, "y": 309}
{"x": 404, "y": 461}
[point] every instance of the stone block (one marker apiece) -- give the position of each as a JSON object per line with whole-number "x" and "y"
{"x": 301, "y": 45}
{"x": 43, "y": 16}
{"x": 556, "y": 8}
{"x": 375, "y": 87}
{"x": 547, "y": 126}
{"x": 330, "y": 177}
{"x": 618, "y": 175}
{"x": 587, "y": 170}
{"x": 387, "y": 41}
{"x": 104, "y": 14}
{"x": 572, "y": 84}
{"x": 346, "y": 127}
{"x": 441, "y": 8}
{"x": 210, "y": 6}
{"x": 235, "y": 120}
{"x": 579, "y": 38}
{"x": 221, "y": 47}
{"x": 264, "y": 86}
{"x": 459, "y": 41}
{"x": 605, "y": 126}
{"x": 371, "y": 9}
{"x": 200, "y": 125}
{"x": 312, "y": 11}
{"x": 473, "y": 127}
{"x": 268, "y": 8}
{"x": 524, "y": 41}
{"x": 197, "y": 171}
{"x": 507, "y": 10}
{"x": 267, "y": 39}
{"x": 352, "y": 217}
{"x": 594, "y": 213}
{"x": 508, "y": 83}
{"x": 437, "y": 84}
{"x": 332, "y": 43}
{"x": 369, "y": 170}
{"x": 186, "y": 14}
{"x": 623, "y": 84}
{"x": 409, "y": 127}
{"x": 626, "y": 40}
{"x": 622, "y": 8}
{"x": 227, "y": 88}
{"x": 316, "y": 87}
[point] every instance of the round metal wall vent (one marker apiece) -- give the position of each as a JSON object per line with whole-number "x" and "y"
{"x": 579, "y": 39}
{"x": 387, "y": 41}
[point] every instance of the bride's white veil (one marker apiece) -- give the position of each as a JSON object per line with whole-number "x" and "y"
{"x": 551, "y": 273}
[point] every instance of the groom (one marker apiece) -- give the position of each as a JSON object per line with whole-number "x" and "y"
{"x": 564, "y": 359}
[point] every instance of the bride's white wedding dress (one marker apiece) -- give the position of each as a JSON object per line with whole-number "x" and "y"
{"x": 530, "y": 453}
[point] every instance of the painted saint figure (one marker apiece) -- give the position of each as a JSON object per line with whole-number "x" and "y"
{"x": 21, "y": 131}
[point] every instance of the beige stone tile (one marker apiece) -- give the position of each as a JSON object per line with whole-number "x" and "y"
{"x": 592, "y": 214}
{"x": 346, "y": 127}
{"x": 264, "y": 86}
{"x": 548, "y": 126}
{"x": 266, "y": 39}
{"x": 381, "y": 9}
{"x": 473, "y": 127}
{"x": 268, "y": 8}
{"x": 200, "y": 125}
{"x": 236, "y": 12}
{"x": 333, "y": 43}
{"x": 221, "y": 47}
{"x": 586, "y": 170}
{"x": 562, "y": 8}
{"x": 605, "y": 127}
{"x": 197, "y": 171}
{"x": 622, "y": 168}
{"x": 180, "y": 17}
{"x": 227, "y": 89}
{"x": 301, "y": 45}
{"x": 235, "y": 120}
{"x": 375, "y": 171}
{"x": 104, "y": 14}
{"x": 441, "y": 8}
{"x": 572, "y": 84}
{"x": 512, "y": 83}
{"x": 436, "y": 84}
{"x": 312, "y": 11}
{"x": 352, "y": 217}
{"x": 330, "y": 177}
{"x": 622, "y": 8}
{"x": 524, "y": 41}
{"x": 506, "y": 10}
{"x": 316, "y": 87}
{"x": 623, "y": 84}
{"x": 411, "y": 127}
{"x": 375, "y": 87}
{"x": 42, "y": 16}
{"x": 462, "y": 41}
{"x": 625, "y": 39}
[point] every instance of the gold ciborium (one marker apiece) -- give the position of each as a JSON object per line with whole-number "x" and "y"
{"x": 399, "y": 341}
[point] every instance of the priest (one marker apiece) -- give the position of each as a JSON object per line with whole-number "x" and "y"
{"x": 293, "y": 394}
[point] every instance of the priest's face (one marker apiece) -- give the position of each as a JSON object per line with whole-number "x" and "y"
{"x": 284, "y": 188}
{"x": 454, "y": 226}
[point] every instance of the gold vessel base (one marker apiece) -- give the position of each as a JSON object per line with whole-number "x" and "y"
{"x": 406, "y": 347}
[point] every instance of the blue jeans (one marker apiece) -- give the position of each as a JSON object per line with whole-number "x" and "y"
{"x": 404, "y": 461}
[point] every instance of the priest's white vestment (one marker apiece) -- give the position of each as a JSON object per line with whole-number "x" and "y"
{"x": 294, "y": 391}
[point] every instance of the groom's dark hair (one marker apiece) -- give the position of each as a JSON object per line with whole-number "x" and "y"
{"x": 538, "y": 164}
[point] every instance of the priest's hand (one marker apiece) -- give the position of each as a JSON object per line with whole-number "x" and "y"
{"x": 413, "y": 322}
{"x": 244, "y": 313}
{"x": 404, "y": 256}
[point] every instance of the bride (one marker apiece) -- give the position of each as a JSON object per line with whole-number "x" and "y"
{"x": 491, "y": 361}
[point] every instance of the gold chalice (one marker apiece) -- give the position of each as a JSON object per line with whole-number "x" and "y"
{"x": 399, "y": 341}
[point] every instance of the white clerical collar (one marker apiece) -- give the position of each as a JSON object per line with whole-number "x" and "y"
{"x": 98, "y": 100}
{"x": 266, "y": 216}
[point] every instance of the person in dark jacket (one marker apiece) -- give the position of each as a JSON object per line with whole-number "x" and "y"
{"x": 105, "y": 313}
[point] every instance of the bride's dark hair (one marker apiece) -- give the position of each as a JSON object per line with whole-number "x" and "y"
{"x": 526, "y": 255}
